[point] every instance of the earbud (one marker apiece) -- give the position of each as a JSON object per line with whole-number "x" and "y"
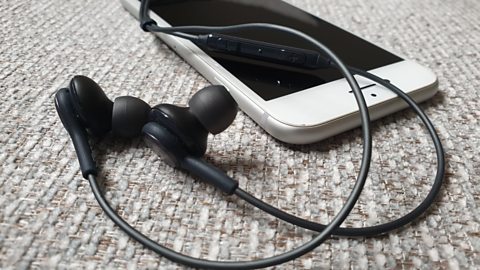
{"x": 177, "y": 134}
{"x": 212, "y": 109}
{"x": 84, "y": 107}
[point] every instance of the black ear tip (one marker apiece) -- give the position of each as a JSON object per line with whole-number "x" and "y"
{"x": 129, "y": 116}
{"x": 214, "y": 107}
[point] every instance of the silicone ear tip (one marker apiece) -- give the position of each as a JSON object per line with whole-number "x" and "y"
{"x": 214, "y": 108}
{"x": 91, "y": 104}
{"x": 129, "y": 116}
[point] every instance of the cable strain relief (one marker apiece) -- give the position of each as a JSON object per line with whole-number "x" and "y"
{"x": 86, "y": 172}
{"x": 145, "y": 24}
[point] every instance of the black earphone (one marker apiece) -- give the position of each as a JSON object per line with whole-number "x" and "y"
{"x": 179, "y": 136}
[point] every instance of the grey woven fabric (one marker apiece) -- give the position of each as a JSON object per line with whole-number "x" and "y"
{"x": 49, "y": 218}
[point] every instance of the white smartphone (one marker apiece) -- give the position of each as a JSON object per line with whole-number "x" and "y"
{"x": 294, "y": 105}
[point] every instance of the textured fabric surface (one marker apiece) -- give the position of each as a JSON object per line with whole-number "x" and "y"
{"x": 48, "y": 216}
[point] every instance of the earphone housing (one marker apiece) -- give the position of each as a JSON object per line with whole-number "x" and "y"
{"x": 180, "y": 122}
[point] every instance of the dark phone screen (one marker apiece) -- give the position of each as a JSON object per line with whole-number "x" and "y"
{"x": 271, "y": 80}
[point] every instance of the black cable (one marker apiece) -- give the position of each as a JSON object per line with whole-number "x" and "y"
{"x": 192, "y": 38}
{"x": 299, "y": 251}
{"x": 146, "y": 22}
{"x": 385, "y": 227}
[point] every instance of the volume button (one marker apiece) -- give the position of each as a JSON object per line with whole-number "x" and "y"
{"x": 232, "y": 46}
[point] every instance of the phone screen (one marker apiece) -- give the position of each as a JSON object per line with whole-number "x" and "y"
{"x": 270, "y": 80}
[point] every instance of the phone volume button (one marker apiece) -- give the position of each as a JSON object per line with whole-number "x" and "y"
{"x": 296, "y": 58}
{"x": 232, "y": 46}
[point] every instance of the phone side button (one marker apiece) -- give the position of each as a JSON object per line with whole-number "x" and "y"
{"x": 264, "y": 119}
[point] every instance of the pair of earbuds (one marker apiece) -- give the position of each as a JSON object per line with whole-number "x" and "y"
{"x": 177, "y": 134}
